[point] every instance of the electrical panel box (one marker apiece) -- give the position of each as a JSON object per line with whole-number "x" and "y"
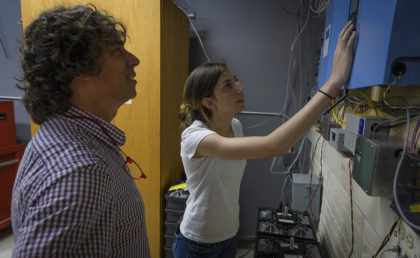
{"x": 337, "y": 139}
{"x": 360, "y": 125}
{"x": 375, "y": 162}
{"x": 387, "y": 41}
{"x": 306, "y": 194}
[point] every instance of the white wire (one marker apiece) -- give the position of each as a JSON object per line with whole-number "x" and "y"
{"x": 291, "y": 165}
{"x": 196, "y": 33}
{"x": 304, "y": 27}
{"x": 379, "y": 124}
{"x": 184, "y": 8}
{"x": 286, "y": 95}
{"x": 189, "y": 4}
{"x": 288, "y": 84}
{"x": 393, "y": 120}
{"x": 300, "y": 56}
{"x": 199, "y": 38}
{"x": 391, "y": 249}
{"x": 292, "y": 62}
{"x": 259, "y": 124}
{"x": 284, "y": 185}
{"x": 276, "y": 116}
{"x": 406, "y": 220}
{"x": 321, "y": 6}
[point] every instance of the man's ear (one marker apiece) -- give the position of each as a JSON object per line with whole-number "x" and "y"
{"x": 208, "y": 103}
{"x": 78, "y": 82}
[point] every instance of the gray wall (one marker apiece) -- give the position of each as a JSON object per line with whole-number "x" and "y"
{"x": 11, "y": 35}
{"x": 254, "y": 38}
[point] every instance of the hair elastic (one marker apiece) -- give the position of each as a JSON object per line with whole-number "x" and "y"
{"x": 326, "y": 94}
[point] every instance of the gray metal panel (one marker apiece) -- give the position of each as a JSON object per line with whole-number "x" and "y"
{"x": 303, "y": 189}
{"x": 375, "y": 163}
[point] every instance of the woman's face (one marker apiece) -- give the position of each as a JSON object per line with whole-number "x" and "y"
{"x": 228, "y": 94}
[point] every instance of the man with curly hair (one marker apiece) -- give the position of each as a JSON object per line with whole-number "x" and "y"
{"x": 74, "y": 195}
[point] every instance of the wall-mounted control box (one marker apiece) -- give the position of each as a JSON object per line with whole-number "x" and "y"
{"x": 387, "y": 41}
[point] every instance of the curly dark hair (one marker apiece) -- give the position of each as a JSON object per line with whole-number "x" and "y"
{"x": 199, "y": 85}
{"x": 60, "y": 44}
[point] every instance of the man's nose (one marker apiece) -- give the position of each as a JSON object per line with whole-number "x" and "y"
{"x": 133, "y": 60}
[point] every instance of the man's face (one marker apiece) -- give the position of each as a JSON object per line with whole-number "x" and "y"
{"x": 115, "y": 82}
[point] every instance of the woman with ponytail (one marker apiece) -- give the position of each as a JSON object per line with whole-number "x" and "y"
{"x": 214, "y": 151}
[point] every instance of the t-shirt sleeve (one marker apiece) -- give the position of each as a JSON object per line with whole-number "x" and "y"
{"x": 191, "y": 138}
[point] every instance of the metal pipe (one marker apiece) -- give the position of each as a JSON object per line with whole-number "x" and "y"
{"x": 10, "y": 98}
{"x": 263, "y": 114}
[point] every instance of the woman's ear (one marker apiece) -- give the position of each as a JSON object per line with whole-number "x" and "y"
{"x": 207, "y": 103}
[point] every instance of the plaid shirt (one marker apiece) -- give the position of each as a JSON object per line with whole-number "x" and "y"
{"x": 72, "y": 197}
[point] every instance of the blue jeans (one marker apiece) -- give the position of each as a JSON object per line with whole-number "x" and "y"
{"x": 183, "y": 247}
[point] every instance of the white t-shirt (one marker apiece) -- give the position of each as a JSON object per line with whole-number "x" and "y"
{"x": 212, "y": 213}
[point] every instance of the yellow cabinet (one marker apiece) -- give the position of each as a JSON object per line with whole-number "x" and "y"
{"x": 159, "y": 36}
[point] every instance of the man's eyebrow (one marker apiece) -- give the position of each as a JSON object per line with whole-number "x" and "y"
{"x": 115, "y": 48}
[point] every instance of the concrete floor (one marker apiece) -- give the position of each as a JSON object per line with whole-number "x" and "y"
{"x": 6, "y": 242}
{"x": 246, "y": 248}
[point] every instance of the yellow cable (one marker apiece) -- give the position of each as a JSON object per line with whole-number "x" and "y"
{"x": 337, "y": 119}
{"x": 415, "y": 208}
{"x": 355, "y": 109}
{"x": 178, "y": 186}
{"x": 371, "y": 104}
{"x": 369, "y": 100}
